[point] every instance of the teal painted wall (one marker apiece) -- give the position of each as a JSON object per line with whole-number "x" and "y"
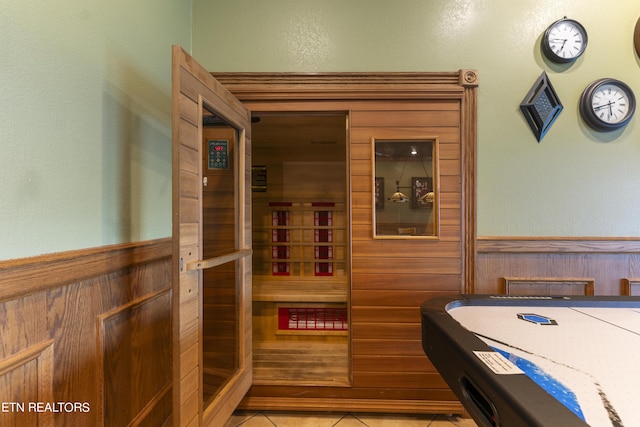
{"x": 85, "y": 128}
{"x": 85, "y": 135}
{"x": 576, "y": 182}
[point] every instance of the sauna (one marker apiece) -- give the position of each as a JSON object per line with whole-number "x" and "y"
{"x": 314, "y": 213}
{"x": 301, "y": 266}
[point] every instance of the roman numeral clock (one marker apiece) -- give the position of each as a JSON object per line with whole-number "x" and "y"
{"x": 607, "y": 104}
{"x": 564, "y": 41}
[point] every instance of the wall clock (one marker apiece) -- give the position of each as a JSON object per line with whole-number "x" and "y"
{"x": 636, "y": 37}
{"x": 564, "y": 41}
{"x": 607, "y": 104}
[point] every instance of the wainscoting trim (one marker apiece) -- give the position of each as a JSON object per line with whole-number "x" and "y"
{"x": 615, "y": 245}
{"x": 21, "y": 277}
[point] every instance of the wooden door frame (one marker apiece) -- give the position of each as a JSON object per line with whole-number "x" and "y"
{"x": 315, "y": 89}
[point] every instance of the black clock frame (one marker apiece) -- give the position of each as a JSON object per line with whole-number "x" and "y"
{"x": 550, "y": 54}
{"x": 590, "y": 117}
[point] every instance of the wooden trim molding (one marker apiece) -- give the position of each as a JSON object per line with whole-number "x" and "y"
{"x": 352, "y": 405}
{"x": 27, "y": 276}
{"x": 348, "y": 86}
{"x": 548, "y": 286}
{"x": 469, "y": 127}
{"x": 614, "y": 245}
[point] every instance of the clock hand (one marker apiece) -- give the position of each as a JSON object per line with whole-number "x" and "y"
{"x": 600, "y": 107}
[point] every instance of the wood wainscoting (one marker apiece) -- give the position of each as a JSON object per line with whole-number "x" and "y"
{"x": 85, "y": 337}
{"x": 565, "y": 266}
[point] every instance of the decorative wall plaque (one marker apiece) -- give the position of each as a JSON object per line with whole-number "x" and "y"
{"x": 541, "y": 106}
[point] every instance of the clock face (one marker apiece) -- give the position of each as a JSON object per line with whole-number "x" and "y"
{"x": 564, "y": 41}
{"x": 610, "y": 103}
{"x": 607, "y": 104}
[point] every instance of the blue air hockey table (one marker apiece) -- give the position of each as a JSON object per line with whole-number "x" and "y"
{"x": 538, "y": 361}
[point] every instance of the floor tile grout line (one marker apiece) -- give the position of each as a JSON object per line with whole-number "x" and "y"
{"x": 352, "y": 416}
{"x": 269, "y": 419}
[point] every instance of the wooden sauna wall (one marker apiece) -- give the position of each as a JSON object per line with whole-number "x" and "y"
{"x": 391, "y": 278}
{"x": 560, "y": 266}
{"x": 91, "y": 329}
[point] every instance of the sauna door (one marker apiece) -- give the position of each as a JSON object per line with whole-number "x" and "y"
{"x": 211, "y": 302}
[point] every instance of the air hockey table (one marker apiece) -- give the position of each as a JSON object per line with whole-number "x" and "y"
{"x": 538, "y": 360}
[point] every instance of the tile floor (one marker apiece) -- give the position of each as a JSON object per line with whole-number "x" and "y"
{"x": 278, "y": 419}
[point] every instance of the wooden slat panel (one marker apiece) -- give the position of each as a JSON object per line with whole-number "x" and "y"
{"x": 400, "y": 364}
{"x": 383, "y": 331}
{"x": 388, "y": 347}
{"x": 188, "y": 149}
{"x": 405, "y": 118}
{"x": 302, "y": 363}
{"x": 447, "y": 232}
{"x": 188, "y": 109}
{"x": 360, "y": 137}
{"x": 386, "y": 314}
{"x": 190, "y": 322}
{"x": 370, "y": 248}
{"x": 188, "y": 183}
{"x": 423, "y": 282}
{"x": 417, "y": 380}
{"x": 190, "y": 210}
{"x": 191, "y": 85}
{"x": 399, "y": 266}
{"x": 189, "y": 234}
{"x": 392, "y": 298}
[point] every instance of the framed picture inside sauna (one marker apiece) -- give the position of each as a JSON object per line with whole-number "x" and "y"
{"x": 422, "y": 192}
{"x": 405, "y": 183}
{"x": 378, "y": 192}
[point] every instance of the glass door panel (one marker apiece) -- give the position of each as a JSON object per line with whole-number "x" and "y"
{"x": 219, "y": 242}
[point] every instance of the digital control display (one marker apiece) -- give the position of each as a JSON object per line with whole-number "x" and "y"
{"x": 218, "y": 154}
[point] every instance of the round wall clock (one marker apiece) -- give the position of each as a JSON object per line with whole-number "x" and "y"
{"x": 607, "y": 104}
{"x": 564, "y": 41}
{"x": 636, "y": 37}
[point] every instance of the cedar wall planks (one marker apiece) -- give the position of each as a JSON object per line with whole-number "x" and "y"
{"x": 390, "y": 278}
{"x": 89, "y": 328}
